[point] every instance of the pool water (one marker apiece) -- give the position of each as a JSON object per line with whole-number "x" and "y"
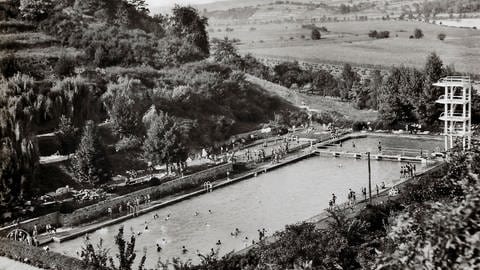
{"x": 272, "y": 200}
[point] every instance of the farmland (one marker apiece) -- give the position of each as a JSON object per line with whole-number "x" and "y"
{"x": 349, "y": 42}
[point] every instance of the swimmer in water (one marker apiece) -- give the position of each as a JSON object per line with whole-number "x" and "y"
{"x": 219, "y": 243}
{"x": 184, "y": 250}
{"x": 159, "y": 248}
{"x": 340, "y": 165}
{"x": 210, "y": 211}
{"x": 196, "y": 213}
{"x": 167, "y": 218}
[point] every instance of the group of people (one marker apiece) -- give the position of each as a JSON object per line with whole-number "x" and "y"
{"x": 279, "y": 152}
{"x": 332, "y": 202}
{"x": 408, "y": 170}
{"x": 261, "y": 234}
{"x": 352, "y": 197}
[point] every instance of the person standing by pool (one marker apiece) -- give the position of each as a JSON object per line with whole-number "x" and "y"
{"x": 353, "y": 144}
{"x": 379, "y": 146}
{"x": 334, "y": 198}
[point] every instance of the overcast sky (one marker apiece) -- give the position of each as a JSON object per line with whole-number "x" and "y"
{"x": 156, "y": 3}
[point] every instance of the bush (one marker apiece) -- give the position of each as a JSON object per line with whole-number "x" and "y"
{"x": 316, "y": 34}
{"x": 35, "y": 10}
{"x": 381, "y": 34}
{"x": 8, "y": 66}
{"x": 38, "y": 257}
{"x": 373, "y": 34}
{"x": 418, "y": 33}
{"x": 359, "y": 125}
{"x": 128, "y": 144}
{"x": 64, "y": 66}
{"x": 442, "y": 36}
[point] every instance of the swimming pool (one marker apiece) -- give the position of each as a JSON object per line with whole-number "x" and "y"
{"x": 391, "y": 145}
{"x": 284, "y": 196}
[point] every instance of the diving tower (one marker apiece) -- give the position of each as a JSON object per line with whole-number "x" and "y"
{"x": 457, "y": 101}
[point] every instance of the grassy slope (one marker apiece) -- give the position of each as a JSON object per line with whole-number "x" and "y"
{"x": 319, "y": 103}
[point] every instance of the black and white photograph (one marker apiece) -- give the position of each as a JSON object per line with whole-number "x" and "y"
{"x": 239, "y": 134}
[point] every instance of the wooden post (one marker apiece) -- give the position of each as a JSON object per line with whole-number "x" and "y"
{"x": 369, "y": 179}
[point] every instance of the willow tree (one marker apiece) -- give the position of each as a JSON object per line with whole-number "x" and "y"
{"x": 18, "y": 151}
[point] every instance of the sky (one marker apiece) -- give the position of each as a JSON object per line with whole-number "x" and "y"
{"x": 158, "y": 3}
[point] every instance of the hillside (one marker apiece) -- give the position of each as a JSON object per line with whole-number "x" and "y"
{"x": 66, "y": 63}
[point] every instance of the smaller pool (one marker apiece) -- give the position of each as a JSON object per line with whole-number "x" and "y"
{"x": 391, "y": 145}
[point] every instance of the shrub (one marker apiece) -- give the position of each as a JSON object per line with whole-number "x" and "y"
{"x": 38, "y": 257}
{"x": 8, "y": 66}
{"x": 418, "y": 33}
{"x": 316, "y": 34}
{"x": 442, "y": 36}
{"x": 64, "y": 66}
{"x": 358, "y": 125}
{"x": 35, "y": 10}
{"x": 373, "y": 34}
{"x": 128, "y": 143}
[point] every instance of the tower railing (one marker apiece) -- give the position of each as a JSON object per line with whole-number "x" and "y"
{"x": 462, "y": 79}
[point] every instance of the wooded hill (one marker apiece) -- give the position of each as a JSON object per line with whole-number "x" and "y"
{"x": 77, "y": 60}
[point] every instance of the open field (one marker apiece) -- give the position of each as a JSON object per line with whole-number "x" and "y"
{"x": 349, "y": 42}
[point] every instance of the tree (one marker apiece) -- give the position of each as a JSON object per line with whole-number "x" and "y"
{"x": 35, "y": 10}
{"x": 442, "y": 36}
{"x": 225, "y": 51}
{"x": 64, "y": 66}
{"x": 188, "y": 24}
{"x": 18, "y": 147}
{"x": 95, "y": 256}
{"x": 417, "y": 33}
{"x": 316, "y": 34}
{"x": 8, "y": 66}
{"x": 427, "y": 109}
{"x": 90, "y": 164}
{"x": 124, "y": 117}
{"x": 126, "y": 255}
{"x": 324, "y": 83}
{"x": 68, "y": 134}
{"x": 140, "y": 5}
{"x": 349, "y": 77}
{"x": 164, "y": 142}
{"x": 375, "y": 83}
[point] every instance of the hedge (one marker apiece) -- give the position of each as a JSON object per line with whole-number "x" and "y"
{"x": 39, "y": 257}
